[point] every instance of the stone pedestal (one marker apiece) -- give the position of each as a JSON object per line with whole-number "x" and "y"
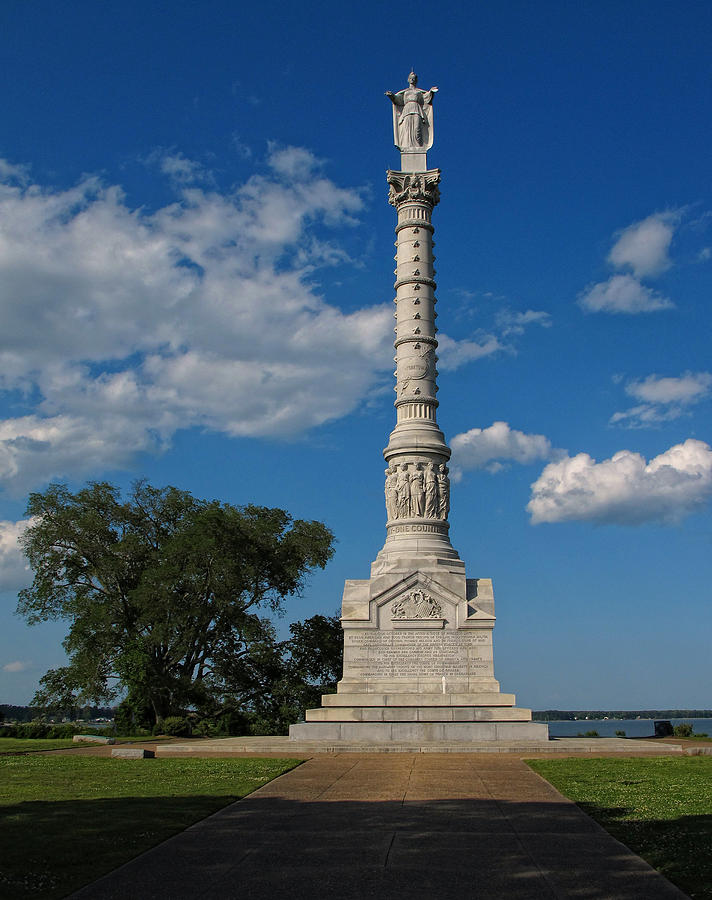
{"x": 418, "y": 665}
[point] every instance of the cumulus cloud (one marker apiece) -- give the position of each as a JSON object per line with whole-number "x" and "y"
{"x": 625, "y": 489}
{"x": 511, "y": 322}
{"x": 644, "y": 246}
{"x": 622, "y": 294}
{"x": 491, "y": 448}
{"x": 18, "y": 665}
{"x": 14, "y": 568}
{"x": 181, "y": 169}
{"x": 452, "y": 354}
{"x": 293, "y": 162}
{"x": 663, "y": 398}
{"x": 128, "y": 325}
{"x": 120, "y": 326}
{"x": 11, "y": 172}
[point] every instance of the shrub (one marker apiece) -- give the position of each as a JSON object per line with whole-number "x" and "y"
{"x": 684, "y": 729}
{"x": 205, "y": 728}
{"x": 591, "y": 734}
{"x": 66, "y": 730}
{"x": 32, "y": 730}
{"x": 178, "y": 726}
{"x": 620, "y": 733}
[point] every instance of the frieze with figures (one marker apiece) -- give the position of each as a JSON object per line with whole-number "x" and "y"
{"x": 417, "y": 490}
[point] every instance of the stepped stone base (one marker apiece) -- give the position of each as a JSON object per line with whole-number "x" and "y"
{"x": 417, "y": 714}
{"x": 418, "y": 661}
{"x": 384, "y": 732}
{"x": 489, "y": 698}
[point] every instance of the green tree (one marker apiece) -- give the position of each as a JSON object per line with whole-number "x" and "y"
{"x": 167, "y": 597}
{"x": 316, "y": 653}
{"x": 310, "y": 664}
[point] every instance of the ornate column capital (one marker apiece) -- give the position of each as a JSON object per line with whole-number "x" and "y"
{"x": 408, "y": 187}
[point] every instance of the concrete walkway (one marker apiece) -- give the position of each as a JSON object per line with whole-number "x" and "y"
{"x": 423, "y": 826}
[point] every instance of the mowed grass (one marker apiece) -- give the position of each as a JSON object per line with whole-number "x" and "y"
{"x": 66, "y": 820}
{"x": 21, "y": 745}
{"x": 660, "y": 808}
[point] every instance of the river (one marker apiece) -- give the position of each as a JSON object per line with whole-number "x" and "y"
{"x": 632, "y": 727}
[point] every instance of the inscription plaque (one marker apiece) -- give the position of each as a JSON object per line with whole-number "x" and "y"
{"x": 412, "y": 654}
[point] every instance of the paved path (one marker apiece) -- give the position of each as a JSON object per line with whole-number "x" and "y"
{"x": 386, "y": 826}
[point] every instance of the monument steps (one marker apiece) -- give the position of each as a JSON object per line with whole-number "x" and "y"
{"x": 359, "y": 698}
{"x": 384, "y": 732}
{"x": 283, "y": 746}
{"x": 418, "y": 714}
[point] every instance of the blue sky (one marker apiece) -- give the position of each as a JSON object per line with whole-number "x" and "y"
{"x": 196, "y": 287}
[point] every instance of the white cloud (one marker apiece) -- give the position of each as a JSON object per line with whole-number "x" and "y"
{"x": 622, "y": 294}
{"x": 644, "y": 245}
{"x": 489, "y": 448}
{"x": 10, "y": 172}
{"x": 14, "y": 568}
{"x": 664, "y": 398}
{"x": 34, "y": 448}
{"x": 17, "y": 665}
{"x": 452, "y": 354}
{"x": 293, "y": 162}
{"x": 130, "y": 325}
{"x": 687, "y": 388}
{"x": 181, "y": 169}
{"x": 515, "y": 322}
{"x": 624, "y": 490}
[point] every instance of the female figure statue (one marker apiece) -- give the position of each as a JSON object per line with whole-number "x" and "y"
{"x": 443, "y": 492}
{"x": 391, "y": 494}
{"x": 417, "y": 494}
{"x": 403, "y": 488}
{"x": 431, "y": 492}
{"x": 413, "y": 116}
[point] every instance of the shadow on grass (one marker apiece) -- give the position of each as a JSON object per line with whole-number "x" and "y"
{"x": 679, "y": 848}
{"x": 51, "y": 848}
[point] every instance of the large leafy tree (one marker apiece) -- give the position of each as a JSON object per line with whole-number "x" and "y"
{"x": 310, "y": 665}
{"x": 167, "y": 597}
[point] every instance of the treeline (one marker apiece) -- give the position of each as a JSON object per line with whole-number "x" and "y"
{"x": 559, "y": 715}
{"x": 10, "y": 713}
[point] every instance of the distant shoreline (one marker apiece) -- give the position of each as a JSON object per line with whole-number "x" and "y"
{"x": 567, "y": 715}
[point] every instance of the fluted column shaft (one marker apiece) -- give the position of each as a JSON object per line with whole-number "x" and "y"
{"x": 417, "y": 483}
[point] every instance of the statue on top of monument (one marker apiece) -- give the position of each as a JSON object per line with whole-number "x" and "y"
{"x": 412, "y": 116}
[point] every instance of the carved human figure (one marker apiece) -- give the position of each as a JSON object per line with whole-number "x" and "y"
{"x": 431, "y": 492}
{"x": 403, "y": 489}
{"x": 443, "y": 492}
{"x": 417, "y": 493}
{"x": 413, "y": 115}
{"x": 391, "y": 494}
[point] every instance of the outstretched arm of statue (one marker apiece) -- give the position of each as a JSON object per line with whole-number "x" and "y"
{"x": 428, "y": 95}
{"x": 394, "y": 98}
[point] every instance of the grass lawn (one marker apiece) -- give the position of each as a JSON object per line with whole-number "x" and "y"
{"x": 66, "y": 820}
{"x": 21, "y": 745}
{"x": 660, "y": 808}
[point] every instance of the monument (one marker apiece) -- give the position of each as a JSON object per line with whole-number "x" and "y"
{"x": 418, "y": 661}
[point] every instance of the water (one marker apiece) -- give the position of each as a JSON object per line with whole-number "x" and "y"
{"x": 632, "y": 727}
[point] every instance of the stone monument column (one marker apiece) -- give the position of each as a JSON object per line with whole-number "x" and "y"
{"x": 418, "y": 651}
{"x": 416, "y": 449}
